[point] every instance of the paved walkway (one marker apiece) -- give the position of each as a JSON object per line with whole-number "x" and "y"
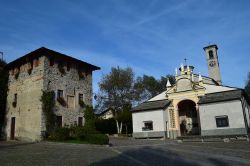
{"x": 125, "y": 152}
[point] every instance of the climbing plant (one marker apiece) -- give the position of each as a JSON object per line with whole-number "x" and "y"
{"x": 48, "y": 104}
{"x": 3, "y": 94}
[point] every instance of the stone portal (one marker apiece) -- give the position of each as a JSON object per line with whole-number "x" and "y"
{"x": 188, "y": 118}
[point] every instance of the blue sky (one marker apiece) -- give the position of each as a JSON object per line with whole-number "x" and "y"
{"x": 151, "y": 36}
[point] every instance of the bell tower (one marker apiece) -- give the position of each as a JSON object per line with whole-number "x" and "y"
{"x": 213, "y": 62}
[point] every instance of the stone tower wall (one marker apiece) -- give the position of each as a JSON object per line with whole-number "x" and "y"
{"x": 27, "y": 112}
{"x": 71, "y": 85}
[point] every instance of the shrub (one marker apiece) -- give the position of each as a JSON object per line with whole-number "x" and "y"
{"x": 100, "y": 139}
{"x": 76, "y": 131}
{"x": 106, "y": 126}
{"x": 48, "y": 104}
{"x": 60, "y": 134}
{"x": 89, "y": 116}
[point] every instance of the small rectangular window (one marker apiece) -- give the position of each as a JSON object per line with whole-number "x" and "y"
{"x": 80, "y": 97}
{"x": 148, "y": 125}
{"x": 222, "y": 121}
{"x": 59, "y": 93}
{"x": 15, "y": 97}
{"x": 59, "y": 121}
{"x": 79, "y": 121}
{"x": 14, "y": 103}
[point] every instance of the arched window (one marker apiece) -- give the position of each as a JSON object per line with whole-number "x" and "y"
{"x": 211, "y": 54}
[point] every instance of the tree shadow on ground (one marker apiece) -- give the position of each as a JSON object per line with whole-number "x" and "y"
{"x": 215, "y": 161}
{"x": 145, "y": 156}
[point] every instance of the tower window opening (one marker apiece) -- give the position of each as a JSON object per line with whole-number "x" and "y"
{"x": 211, "y": 54}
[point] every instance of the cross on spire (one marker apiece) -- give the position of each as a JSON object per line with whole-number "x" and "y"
{"x": 185, "y": 59}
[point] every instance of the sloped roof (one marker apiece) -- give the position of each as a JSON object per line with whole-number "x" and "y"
{"x": 49, "y": 53}
{"x": 161, "y": 96}
{"x": 103, "y": 112}
{"x": 151, "y": 105}
{"x": 217, "y": 88}
{"x": 221, "y": 96}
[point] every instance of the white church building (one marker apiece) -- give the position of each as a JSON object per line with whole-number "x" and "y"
{"x": 194, "y": 105}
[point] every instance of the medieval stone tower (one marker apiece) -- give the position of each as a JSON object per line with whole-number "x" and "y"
{"x": 213, "y": 63}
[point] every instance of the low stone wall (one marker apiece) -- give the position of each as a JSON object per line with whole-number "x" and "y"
{"x": 229, "y": 131}
{"x": 153, "y": 134}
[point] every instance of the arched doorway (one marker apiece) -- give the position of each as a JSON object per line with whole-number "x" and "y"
{"x": 188, "y": 118}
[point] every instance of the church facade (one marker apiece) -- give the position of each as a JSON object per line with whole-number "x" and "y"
{"x": 194, "y": 105}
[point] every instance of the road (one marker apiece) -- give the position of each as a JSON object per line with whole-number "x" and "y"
{"x": 125, "y": 152}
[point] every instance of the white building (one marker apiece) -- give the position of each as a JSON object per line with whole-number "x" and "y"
{"x": 195, "y": 105}
{"x": 107, "y": 114}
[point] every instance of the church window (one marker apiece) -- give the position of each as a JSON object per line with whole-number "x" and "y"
{"x": 222, "y": 121}
{"x": 148, "y": 125}
{"x": 211, "y": 54}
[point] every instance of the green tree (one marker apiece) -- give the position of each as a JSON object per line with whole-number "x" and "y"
{"x": 116, "y": 92}
{"x": 89, "y": 117}
{"x": 3, "y": 94}
{"x": 48, "y": 104}
{"x": 247, "y": 87}
{"x": 126, "y": 118}
{"x": 148, "y": 86}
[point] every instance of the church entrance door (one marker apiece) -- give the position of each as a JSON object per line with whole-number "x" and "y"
{"x": 188, "y": 118}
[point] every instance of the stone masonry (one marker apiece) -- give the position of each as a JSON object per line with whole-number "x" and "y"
{"x": 25, "y": 91}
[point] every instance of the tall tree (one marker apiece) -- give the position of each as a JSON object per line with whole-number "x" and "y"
{"x": 247, "y": 87}
{"x": 116, "y": 91}
{"x": 148, "y": 86}
{"x": 3, "y": 94}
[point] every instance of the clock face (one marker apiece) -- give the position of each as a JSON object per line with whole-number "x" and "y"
{"x": 212, "y": 63}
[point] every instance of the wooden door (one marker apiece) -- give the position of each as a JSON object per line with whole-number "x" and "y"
{"x": 71, "y": 102}
{"x": 12, "y": 128}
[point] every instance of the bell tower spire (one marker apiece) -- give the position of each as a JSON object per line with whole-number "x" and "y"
{"x": 213, "y": 62}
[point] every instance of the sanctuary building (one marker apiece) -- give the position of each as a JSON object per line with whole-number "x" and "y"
{"x": 194, "y": 105}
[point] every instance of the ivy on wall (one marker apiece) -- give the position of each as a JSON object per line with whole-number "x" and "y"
{"x": 3, "y": 95}
{"x": 48, "y": 104}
